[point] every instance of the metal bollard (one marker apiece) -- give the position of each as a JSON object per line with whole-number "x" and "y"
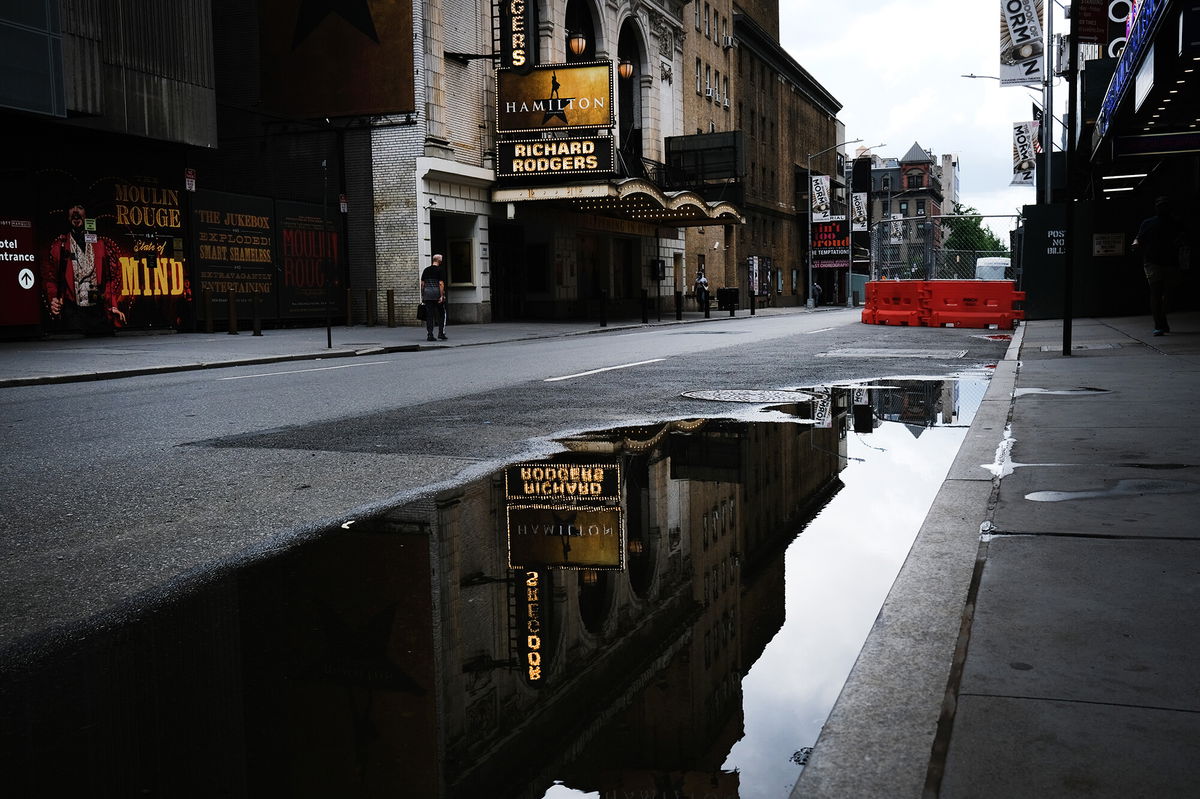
{"x": 371, "y": 310}
{"x": 208, "y": 311}
{"x": 678, "y": 306}
{"x": 645, "y": 307}
{"x": 391, "y": 307}
{"x": 231, "y": 299}
{"x": 257, "y": 313}
{"x": 752, "y": 303}
{"x": 707, "y": 303}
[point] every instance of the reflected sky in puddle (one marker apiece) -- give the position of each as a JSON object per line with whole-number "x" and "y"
{"x": 836, "y": 575}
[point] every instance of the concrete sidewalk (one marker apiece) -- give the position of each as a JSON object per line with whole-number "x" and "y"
{"x": 74, "y": 359}
{"x": 1043, "y": 636}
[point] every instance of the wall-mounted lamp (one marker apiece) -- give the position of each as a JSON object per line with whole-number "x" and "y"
{"x": 636, "y": 546}
{"x": 588, "y": 576}
{"x": 576, "y": 42}
{"x": 625, "y": 68}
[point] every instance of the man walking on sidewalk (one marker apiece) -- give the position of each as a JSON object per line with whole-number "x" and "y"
{"x": 1159, "y": 239}
{"x": 433, "y": 294}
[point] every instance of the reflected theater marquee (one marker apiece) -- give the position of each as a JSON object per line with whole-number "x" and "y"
{"x": 564, "y": 516}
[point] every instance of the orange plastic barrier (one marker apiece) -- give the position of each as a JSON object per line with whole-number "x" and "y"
{"x": 943, "y": 303}
{"x": 974, "y": 303}
{"x": 897, "y": 302}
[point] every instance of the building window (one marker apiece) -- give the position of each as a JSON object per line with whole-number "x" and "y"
{"x": 717, "y": 85}
{"x": 885, "y": 183}
{"x": 699, "y": 86}
{"x": 915, "y": 181}
{"x": 904, "y": 208}
{"x": 708, "y": 81}
{"x": 724, "y": 30}
{"x": 707, "y": 22}
{"x": 725, "y": 92}
{"x": 920, "y": 208}
{"x": 697, "y": 16}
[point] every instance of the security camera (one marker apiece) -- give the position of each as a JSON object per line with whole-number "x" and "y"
{"x": 432, "y": 201}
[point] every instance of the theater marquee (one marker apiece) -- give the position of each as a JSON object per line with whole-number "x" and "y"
{"x": 555, "y": 97}
{"x": 577, "y": 155}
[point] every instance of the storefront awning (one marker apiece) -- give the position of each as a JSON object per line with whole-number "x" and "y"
{"x": 629, "y": 198}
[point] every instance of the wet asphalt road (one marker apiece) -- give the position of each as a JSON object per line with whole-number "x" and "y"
{"x": 118, "y": 493}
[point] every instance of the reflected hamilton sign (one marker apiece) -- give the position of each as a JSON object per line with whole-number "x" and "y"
{"x": 564, "y": 516}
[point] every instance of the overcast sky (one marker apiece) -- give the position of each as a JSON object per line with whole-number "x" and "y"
{"x": 894, "y": 65}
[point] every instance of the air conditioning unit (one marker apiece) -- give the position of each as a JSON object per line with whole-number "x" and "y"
{"x": 727, "y": 42}
{"x": 726, "y": 102}
{"x": 709, "y": 91}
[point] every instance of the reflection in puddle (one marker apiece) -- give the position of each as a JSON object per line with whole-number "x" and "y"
{"x": 1083, "y": 391}
{"x": 1123, "y": 488}
{"x": 638, "y": 615}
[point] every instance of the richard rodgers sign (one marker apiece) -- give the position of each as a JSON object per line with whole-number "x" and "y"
{"x": 577, "y": 155}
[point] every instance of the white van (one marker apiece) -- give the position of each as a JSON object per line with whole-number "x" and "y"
{"x": 991, "y": 268}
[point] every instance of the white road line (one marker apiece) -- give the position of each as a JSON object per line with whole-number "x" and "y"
{"x": 605, "y": 369}
{"x": 822, "y": 330}
{"x": 300, "y": 371}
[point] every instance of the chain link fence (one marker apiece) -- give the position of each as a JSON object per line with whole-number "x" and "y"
{"x": 944, "y": 247}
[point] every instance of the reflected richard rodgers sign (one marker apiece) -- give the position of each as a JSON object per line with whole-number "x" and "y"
{"x": 564, "y": 516}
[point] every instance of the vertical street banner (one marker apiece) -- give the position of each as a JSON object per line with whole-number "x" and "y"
{"x": 820, "y": 198}
{"x": 1021, "y": 47}
{"x": 1023, "y": 154}
{"x": 858, "y": 212}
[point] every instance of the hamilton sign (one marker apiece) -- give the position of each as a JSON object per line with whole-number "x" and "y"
{"x": 555, "y": 97}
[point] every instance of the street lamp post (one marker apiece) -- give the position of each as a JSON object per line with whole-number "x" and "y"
{"x": 1048, "y": 119}
{"x": 808, "y": 288}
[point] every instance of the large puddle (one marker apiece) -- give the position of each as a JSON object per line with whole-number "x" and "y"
{"x": 663, "y": 610}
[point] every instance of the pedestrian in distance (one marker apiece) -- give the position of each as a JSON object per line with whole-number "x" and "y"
{"x": 1160, "y": 241}
{"x": 433, "y": 295}
{"x": 816, "y": 293}
{"x": 701, "y": 289}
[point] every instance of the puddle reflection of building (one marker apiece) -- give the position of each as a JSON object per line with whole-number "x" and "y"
{"x": 382, "y": 658}
{"x": 916, "y": 403}
{"x": 642, "y": 676}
